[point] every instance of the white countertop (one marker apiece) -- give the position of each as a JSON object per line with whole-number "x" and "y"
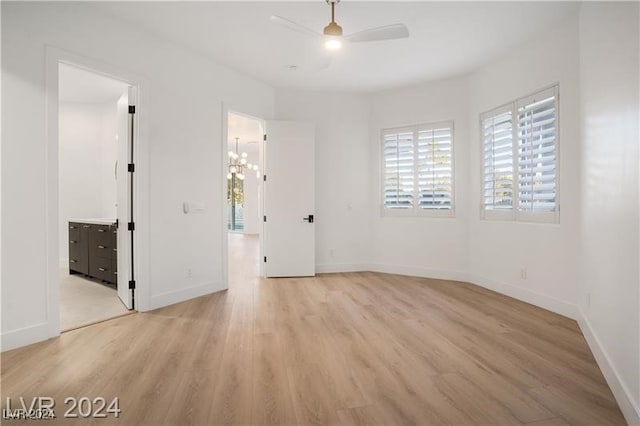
{"x": 95, "y": 221}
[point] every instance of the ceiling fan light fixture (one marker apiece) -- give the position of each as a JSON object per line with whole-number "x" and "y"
{"x": 333, "y": 42}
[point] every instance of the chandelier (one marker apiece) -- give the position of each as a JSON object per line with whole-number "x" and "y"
{"x": 238, "y": 164}
{"x": 237, "y": 167}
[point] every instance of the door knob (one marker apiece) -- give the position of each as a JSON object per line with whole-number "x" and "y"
{"x": 308, "y": 219}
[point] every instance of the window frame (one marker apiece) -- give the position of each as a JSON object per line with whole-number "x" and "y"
{"x": 515, "y": 214}
{"x": 416, "y": 211}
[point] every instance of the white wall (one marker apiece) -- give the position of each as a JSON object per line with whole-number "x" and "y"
{"x": 182, "y": 105}
{"x": 342, "y": 174}
{"x": 433, "y": 247}
{"x": 609, "y": 252}
{"x": 87, "y": 153}
{"x": 498, "y": 250}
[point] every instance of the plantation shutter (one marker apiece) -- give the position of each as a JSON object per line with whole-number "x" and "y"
{"x": 497, "y": 183}
{"x": 399, "y": 169}
{"x": 537, "y": 153}
{"x": 435, "y": 180}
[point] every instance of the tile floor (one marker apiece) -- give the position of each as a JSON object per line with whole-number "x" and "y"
{"x": 84, "y": 301}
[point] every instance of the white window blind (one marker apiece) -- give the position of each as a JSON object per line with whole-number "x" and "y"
{"x": 497, "y": 185}
{"x": 418, "y": 169}
{"x": 398, "y": 170}
{"x": 519, "y": 159}
{"x": 434, "y": 169}
{"x": 537, "y": 152}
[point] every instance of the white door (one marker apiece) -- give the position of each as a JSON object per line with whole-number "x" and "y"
{"x": 289, "y": 200}
{"x": 123, "y": 181}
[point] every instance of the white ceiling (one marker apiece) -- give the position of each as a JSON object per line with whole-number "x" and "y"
{"x": 77, "y": 85}
{"x": 248, "y": 130}
{"x": 447, "y": 38}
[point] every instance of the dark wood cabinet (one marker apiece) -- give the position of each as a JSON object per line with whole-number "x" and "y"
{"x": 93, "y": 250}
{"x": 79, "y": 248}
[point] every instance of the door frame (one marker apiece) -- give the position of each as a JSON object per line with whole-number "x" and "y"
{"x": 55, "y": 56}
{"x": 224, "y": 148}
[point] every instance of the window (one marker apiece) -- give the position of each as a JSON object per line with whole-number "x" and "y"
{"x": 418, "y": 170}
{"x": 519, "y": 159}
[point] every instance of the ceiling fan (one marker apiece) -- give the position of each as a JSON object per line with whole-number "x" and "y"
{"x": 332, "y": 33}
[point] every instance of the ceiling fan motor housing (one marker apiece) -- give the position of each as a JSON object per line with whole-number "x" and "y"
{"x": 333, "y": 29}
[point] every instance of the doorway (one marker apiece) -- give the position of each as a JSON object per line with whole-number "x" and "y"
{"x": 95, "y": 141}
{"x": 243, "y": 196}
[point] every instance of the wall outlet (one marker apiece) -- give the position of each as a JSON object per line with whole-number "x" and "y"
{"x": 523, "y": 273}
{"x": 189, "y": 273}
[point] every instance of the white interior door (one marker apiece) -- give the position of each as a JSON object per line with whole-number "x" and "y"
{"x": 289, "y": 199}
{"x": 123, "y": 183}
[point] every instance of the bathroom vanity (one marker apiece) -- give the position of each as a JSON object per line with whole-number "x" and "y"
{"x": 93, "y": 249}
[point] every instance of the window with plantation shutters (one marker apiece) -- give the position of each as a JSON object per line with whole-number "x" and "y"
{"x": 399, "y": 172}
{"x": 418, "y": 170}
{"x": 537, "y": 152}
{"x": 497, "y": 157}
{"x": 520, "y": 159}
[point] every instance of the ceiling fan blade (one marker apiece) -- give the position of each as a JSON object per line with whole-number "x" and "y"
{"x": 294, "y": 26}
{"x": 388, "y": 32}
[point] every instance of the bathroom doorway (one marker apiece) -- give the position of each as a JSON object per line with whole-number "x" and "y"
{"x": 94, "y": 146}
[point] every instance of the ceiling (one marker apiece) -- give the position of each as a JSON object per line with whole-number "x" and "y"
{"x": 447, "y": 38}
{"x": 248, "y": 130}
{"x": 77, "y": 85}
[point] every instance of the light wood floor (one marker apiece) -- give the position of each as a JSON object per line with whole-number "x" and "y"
{"x": 357, "y": 348}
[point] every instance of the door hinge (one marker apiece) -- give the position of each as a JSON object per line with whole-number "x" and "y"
{"x": 117, "y": 223}
{"x": 131, "y": 167}
{"x": 265, "y": 259}
{"x": 132, "y": 285}
{"x": 264, "y": 218}
{"x": 132, "y": 109}
{"x": 264, "y": 178}
{"x": 264, "y": 137}
{"x": 131, "y": 226}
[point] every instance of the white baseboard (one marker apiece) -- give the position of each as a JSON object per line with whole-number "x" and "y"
{"x": 341, "y": 267}
{"x": 169, "y": 298}
{"x": 629, "y": 408}
{"x": 413, "y": 271}
{"x": 27, "y": 335}
{"x": 557, "y": 306}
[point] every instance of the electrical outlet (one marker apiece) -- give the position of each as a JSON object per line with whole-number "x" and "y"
{"x": 523, "y": 273}
{"x": 189, "y": 273}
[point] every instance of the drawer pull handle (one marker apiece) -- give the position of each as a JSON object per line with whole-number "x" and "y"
{"x": 101, "y": 247}
{"x": 100, "y": 230}
{"x": 72, "y": 227}
{"x": 86, "y": 226}
{"x": 101, "y": 269}
{"x": 72, "y": 241}
{"x": 72, "y": 261}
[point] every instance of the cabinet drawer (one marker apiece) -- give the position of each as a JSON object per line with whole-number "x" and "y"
{"x": 101, "y": 268}
{"x": 78, "y": 264}
{"x": 74, "y": 231}
{"x": 100, "y": 250}
{"x": 100, "y": 234}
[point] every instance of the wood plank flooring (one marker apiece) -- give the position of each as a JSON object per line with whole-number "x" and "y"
{"x": 354, "y": 349}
